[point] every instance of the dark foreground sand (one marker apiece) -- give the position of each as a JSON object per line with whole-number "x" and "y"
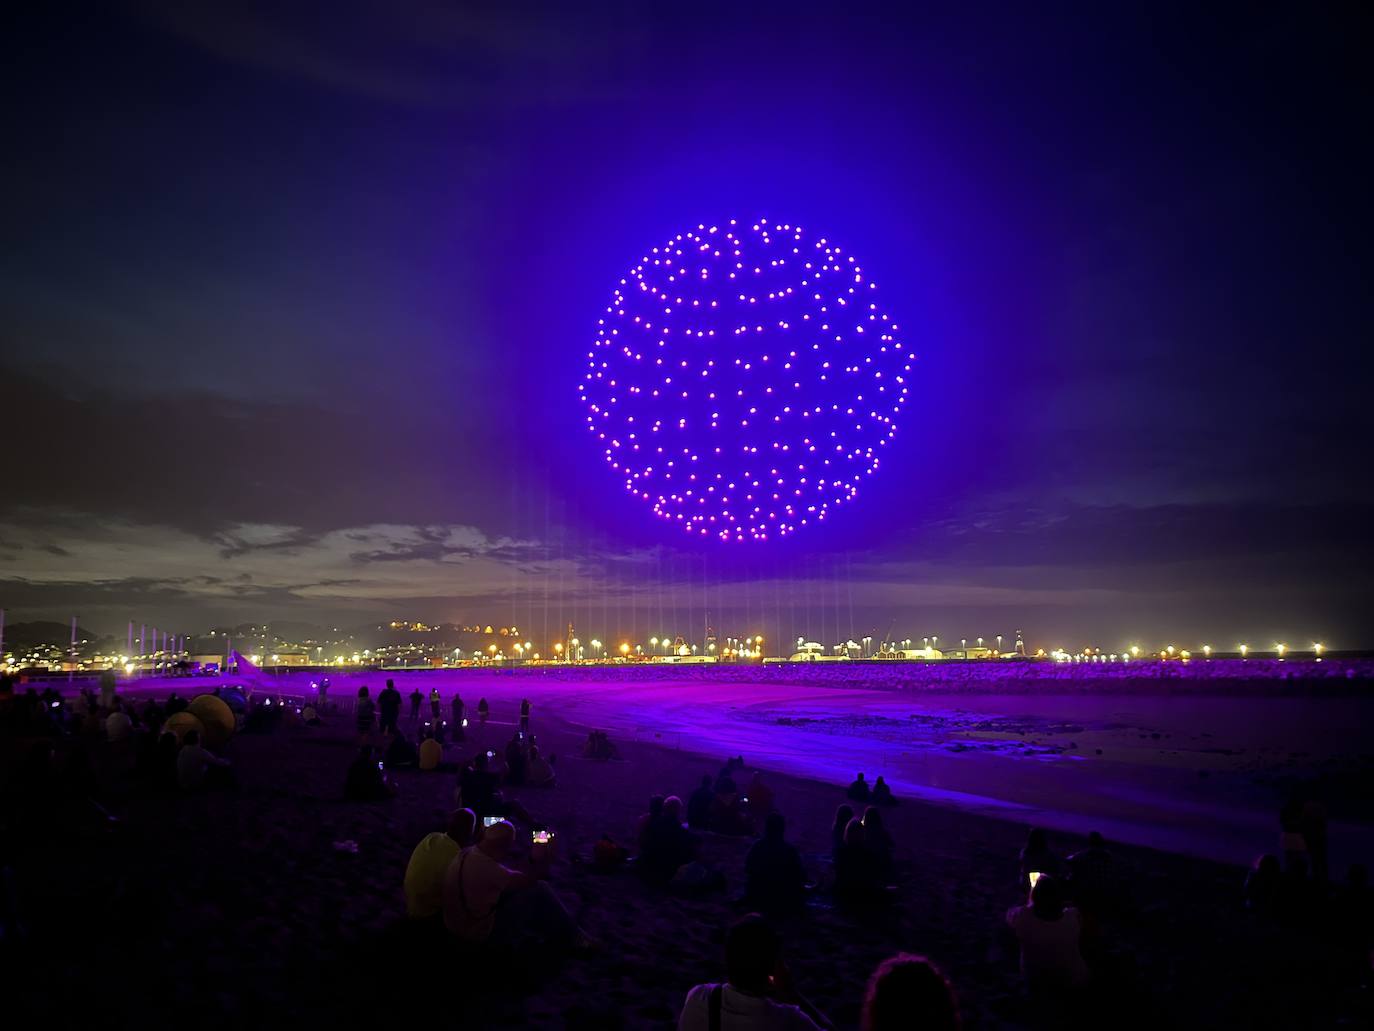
{"x": 246, "y": 909}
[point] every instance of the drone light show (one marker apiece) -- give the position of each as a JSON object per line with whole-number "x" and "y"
{"x": 745, "y": 379}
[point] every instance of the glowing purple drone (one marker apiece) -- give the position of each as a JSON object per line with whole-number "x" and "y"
{"x": 744, "y": 379}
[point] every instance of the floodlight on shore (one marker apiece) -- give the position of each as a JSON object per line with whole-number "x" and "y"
{"x": 1318, "y": 647}
{"x": 1243, "y": 649}
{"x": 1280, "y": 648}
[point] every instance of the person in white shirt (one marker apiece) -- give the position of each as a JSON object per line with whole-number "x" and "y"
{"x": 757, "y": 994}
{"x": 194, "y": 762}
{"x": 487, "y": 901}
{"x": 1049, "y": 933}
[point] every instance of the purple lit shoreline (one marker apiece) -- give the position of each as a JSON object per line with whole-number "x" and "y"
{"x": 1192, "y": 759}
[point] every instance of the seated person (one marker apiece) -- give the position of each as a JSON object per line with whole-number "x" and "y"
{"x": 478, "y": 791}
{"x": 539, "y": 773}
{"x": 1036, "y": 857}
{"x": 757, "y": 993}
{"x": 774, "y": 880}
{"x": 1050, "y": 934}
{"x": 879, "y": 843}
{"x": 642, "y": 823}
{"x": 479, "y": 786}
{"x": 399, "y": 752}
{"x": 424, "y": 879}
{"x": 843, "y": 815}
{"x": 515, "y": 760}
{"x": 665, "y": 845}
{"x": 909, "y": 991}
{"x": 1264, "y": 885}
{"x": 197, "y": 767}
{"x": 699, "y": 804}
{"x": 607, "y": 855}
{"x": 431, "y": 753}
{"x": 487, "y": 901}
{"x": 758, "y": 797}
{"x": 882, "y": 793}
{"x": 856, "y": 874}
{"x": 365, "y": 781}
{"x": 1096, "y": 877}
{"x": 858, "y": 790}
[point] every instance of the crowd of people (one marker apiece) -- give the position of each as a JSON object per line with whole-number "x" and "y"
{"x": 485, "y": 881}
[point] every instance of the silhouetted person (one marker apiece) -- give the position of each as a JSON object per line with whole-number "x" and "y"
{"x": 1050, "y": 935}
{"x": 434, "y": 704}
{"x": 857, "y": 880}
{"x": 882, "y": 793}
{"x": 1036, "y": 857}
{"x": 479, "y": 787}
{"x": 197, "y": 768}
{"x": 757, "y": 994}
{"x": 775, "y": 882}
{"x": 364, "y": 713}
{"x": 399, "y": 753}
{"x": 858, "y": 790}
{"x": 909, "y": 992}
{"x": 525, "y": 715}
{"x": 365, "y": 781}
{"x": 879, "y": 843}
{"x": 699, "y": 804}
{"x": 416, "y": 699}
{"x": 388, "y": 708}
{"x": 1096, "y": 879}
{"x": 515, "y": 760}
{"x": 843, "y": 815}
{"x": 1264, "y": 886}
{"x": 457, "y": 712}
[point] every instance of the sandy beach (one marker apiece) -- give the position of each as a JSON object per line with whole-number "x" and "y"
{"x": 281, "y": 903}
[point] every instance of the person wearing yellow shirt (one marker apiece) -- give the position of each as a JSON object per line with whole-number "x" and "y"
{"x": 424, "y": 880}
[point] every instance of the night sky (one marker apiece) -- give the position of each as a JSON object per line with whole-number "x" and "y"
{"x": 294, "y": 307}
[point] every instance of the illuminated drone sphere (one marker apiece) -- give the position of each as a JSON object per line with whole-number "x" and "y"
{"x": 745, "y": 379}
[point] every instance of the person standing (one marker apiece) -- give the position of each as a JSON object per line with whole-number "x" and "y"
{"x": 457, "y": 713}
{"x": 365, "y": 711}
{"x": 524, "y": 715}
{"x": 389, "y": 707}
{"x": 434, "y": 704}
{"x": 415, "y": 699}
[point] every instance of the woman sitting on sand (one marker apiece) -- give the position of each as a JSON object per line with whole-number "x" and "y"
{"x": 1050, "y": 933}
{"x": 856, "y": 874}
{"x": 1036, "y": 857}
{"x": 843, "y": 815}
{"x": 540, "y": 772}
{"x": 879, "y": 843}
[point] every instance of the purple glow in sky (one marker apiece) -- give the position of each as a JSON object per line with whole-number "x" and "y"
{"x": 745, "y": 379}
